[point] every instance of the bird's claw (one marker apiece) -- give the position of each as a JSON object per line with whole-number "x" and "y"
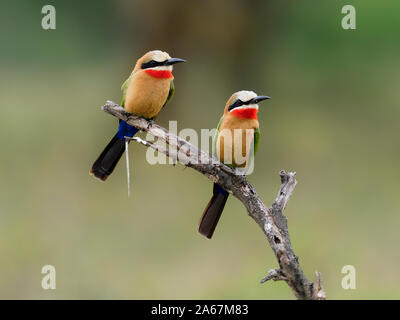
{"x": 150, "y": 123}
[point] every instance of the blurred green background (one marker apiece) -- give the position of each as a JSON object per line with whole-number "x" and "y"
{"x": 334, "y": 119}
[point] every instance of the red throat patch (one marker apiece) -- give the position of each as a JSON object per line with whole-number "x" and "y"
{"x": 162, "y": 74}
{"x": 250, "y": 113}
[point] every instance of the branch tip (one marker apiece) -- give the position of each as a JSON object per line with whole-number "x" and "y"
{"x": 318, "y": 290}
{"x": 274, "y": 274}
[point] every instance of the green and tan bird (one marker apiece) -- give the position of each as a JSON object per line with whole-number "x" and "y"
{"x": 235, "y": 144}
{"x": 147, "y": 90}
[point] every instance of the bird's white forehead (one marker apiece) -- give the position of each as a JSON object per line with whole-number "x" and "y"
{"x": 160, "y": 56}
{"x": 245, "y": 95}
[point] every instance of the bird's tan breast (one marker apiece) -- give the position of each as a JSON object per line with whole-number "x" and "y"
{"x": 235, "y": 140}
{"x": 146, "y": 95}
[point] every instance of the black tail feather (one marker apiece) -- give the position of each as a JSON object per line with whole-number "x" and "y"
{"x": 108, "y": 159}
{"x": 213, "y": 211}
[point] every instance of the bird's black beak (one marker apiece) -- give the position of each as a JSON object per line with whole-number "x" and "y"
{"x": 258, "y": 99}
{"x": 172, "y": 61}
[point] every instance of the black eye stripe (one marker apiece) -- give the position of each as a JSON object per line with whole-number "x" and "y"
{"x": 152, "y": 64}
{"x": 237, "y": 103}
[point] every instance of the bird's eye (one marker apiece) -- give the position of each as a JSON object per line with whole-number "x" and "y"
{"x": 235, "y": 104}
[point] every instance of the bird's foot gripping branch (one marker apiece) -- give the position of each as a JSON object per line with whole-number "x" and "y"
{"x": 272, "y": 221}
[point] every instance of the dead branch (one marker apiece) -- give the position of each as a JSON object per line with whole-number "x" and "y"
{"x": 271, "y": 220}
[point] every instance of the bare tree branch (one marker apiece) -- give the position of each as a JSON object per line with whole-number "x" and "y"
{"x": 272, "y": 221}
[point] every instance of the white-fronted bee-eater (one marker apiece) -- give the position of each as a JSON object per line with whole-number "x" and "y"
{"x": 235, "y": 144}
{"x": 147, "y": 90}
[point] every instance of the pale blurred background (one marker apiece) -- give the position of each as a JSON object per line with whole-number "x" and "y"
{"x": 334, "y": 118}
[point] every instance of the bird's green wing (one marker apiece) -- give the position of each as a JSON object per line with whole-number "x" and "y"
{"x": 124, "y": 87}
{"x": 215, "y": 138}
{"x": 256, "y": 140}
{"x": 253, "y": 151}
{"x": 170, "y": 93}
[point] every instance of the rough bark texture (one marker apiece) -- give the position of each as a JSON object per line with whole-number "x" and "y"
{"x": 271, "y": 220}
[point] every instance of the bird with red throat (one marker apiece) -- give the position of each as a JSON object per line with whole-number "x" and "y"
{"x": 235, "y": 144}
{"x": 147, "y": 90}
